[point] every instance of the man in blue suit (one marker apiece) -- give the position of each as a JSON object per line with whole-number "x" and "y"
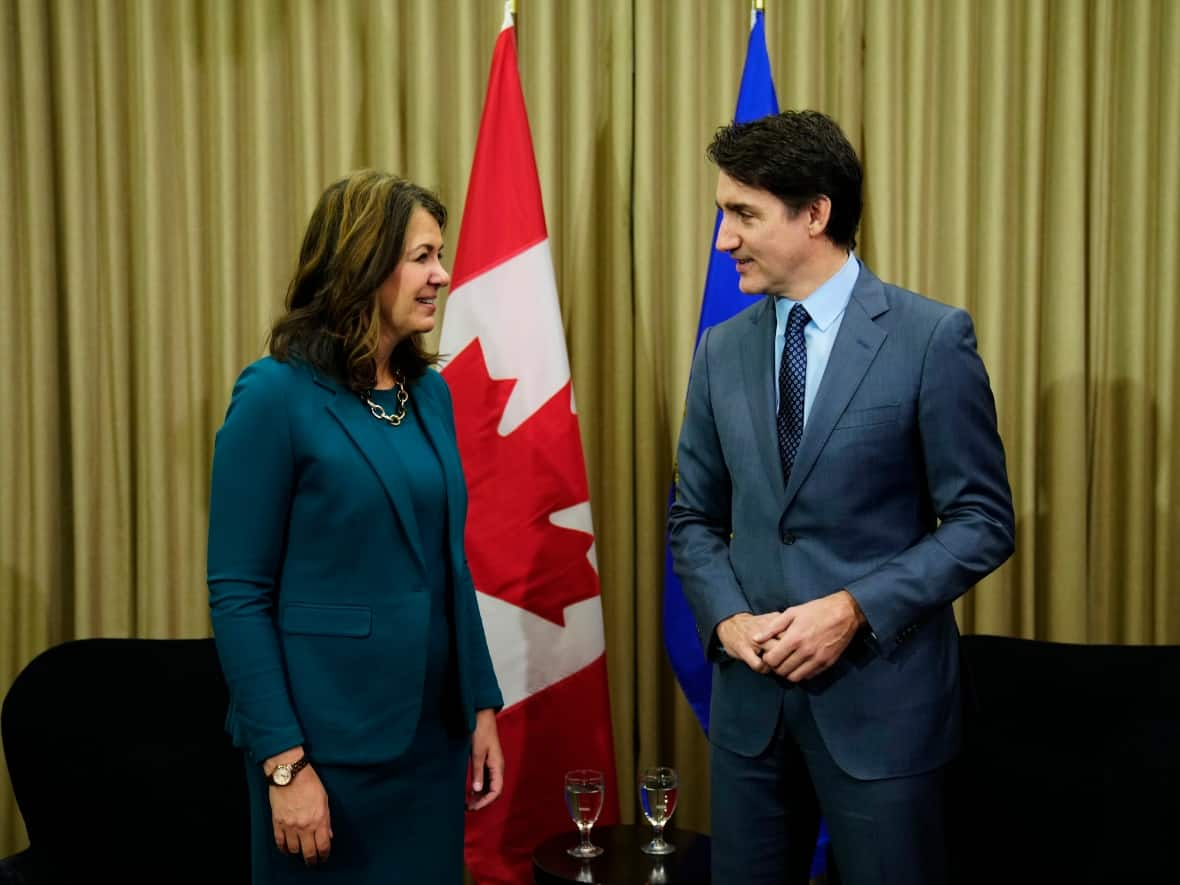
{"x": 841, "y": 482}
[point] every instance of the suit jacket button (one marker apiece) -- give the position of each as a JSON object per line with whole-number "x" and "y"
{"x": 788, "y": 538}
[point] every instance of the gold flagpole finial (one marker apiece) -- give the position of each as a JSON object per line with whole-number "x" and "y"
{"x": 512, "y": 6}
{"x": 759, "y": 5}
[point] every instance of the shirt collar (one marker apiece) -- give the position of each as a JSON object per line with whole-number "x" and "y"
{"x": 826, "y": 303}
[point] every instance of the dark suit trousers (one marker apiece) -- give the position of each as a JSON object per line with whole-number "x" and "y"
{"x": 765, "y": 813}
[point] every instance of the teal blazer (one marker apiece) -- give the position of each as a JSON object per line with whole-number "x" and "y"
{"x": 317, "y": 581}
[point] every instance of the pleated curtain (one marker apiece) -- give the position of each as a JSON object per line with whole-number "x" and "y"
{"x": 159, "y": 160}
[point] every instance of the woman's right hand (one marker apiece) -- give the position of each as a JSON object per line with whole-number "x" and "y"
{"x": 299, "y": 813}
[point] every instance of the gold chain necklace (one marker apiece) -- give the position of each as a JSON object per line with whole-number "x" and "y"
{"x": 375, "y": 409}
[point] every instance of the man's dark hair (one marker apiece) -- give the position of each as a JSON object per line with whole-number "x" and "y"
{"x": 797, "y": 156}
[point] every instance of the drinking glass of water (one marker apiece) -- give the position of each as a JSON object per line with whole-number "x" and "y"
{"x": 657, "y": 797}
{"x": 584, "y": 791}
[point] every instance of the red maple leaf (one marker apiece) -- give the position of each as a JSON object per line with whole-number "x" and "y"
{"x": 514, "y": 484}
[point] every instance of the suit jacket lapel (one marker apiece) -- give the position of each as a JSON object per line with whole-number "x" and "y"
{"x": 372, "y": 438}
{"x": 757, "y": 358}
{"x": 856, "y": 346}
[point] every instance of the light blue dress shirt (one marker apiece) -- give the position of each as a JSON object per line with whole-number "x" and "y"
{"x": 826, "y": 306}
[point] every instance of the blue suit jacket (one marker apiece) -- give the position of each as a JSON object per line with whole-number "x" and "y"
{"x": 898, "y": 493}
{"x": 317, "y": 582}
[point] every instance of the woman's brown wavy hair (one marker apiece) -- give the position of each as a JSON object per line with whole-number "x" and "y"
{"x": 354, "y": 240}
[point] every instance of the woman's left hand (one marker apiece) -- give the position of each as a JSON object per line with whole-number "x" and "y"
{"x": 487, "y": 762}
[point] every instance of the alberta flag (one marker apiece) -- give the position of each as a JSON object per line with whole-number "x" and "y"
{"x": 529, "y": 538}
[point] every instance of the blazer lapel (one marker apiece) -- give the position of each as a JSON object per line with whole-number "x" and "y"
{"x": 856, "y": 346}
{"x": 445, "y": 447}
{"x": 757, "y": 359}
{"x": 372, "y": 438}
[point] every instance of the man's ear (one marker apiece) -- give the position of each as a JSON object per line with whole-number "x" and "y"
{"x": 819, "y": 212}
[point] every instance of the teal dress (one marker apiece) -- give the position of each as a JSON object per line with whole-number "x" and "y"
{"x": 401, "y": 821}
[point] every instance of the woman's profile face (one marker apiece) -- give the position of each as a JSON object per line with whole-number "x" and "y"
{"x": 408, "y": 295}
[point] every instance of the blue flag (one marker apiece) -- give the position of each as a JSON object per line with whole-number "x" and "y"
{"x": 723, "y": 299}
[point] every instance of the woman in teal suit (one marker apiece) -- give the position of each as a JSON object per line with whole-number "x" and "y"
{"x": 344, "y": 613}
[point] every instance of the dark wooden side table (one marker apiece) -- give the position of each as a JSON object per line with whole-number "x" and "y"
{"x": 622, "y": 863}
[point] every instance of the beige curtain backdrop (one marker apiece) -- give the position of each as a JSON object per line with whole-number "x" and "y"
{"x": 159, "y": 159}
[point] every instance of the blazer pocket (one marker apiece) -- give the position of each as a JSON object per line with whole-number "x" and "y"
{"x": 868, "y": 417}
{"x": 327, "y": 620}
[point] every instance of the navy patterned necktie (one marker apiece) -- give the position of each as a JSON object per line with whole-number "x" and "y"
{"x": 792, "y": 387}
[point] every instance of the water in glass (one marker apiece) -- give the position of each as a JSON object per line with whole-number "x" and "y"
{"x": 658, "y": 802}
{"x": 584, "y": 793}
{"x": 658, "y": 788}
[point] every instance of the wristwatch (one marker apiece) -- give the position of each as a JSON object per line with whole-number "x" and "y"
{"x": 284, "y": 772}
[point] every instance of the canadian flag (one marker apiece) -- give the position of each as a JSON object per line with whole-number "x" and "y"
{"x": 530, "y": 539}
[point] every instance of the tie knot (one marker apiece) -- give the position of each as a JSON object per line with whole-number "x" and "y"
{"x": 797, "y": 319}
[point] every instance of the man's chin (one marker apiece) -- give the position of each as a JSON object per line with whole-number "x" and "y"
{"x": 748, "y": 286}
